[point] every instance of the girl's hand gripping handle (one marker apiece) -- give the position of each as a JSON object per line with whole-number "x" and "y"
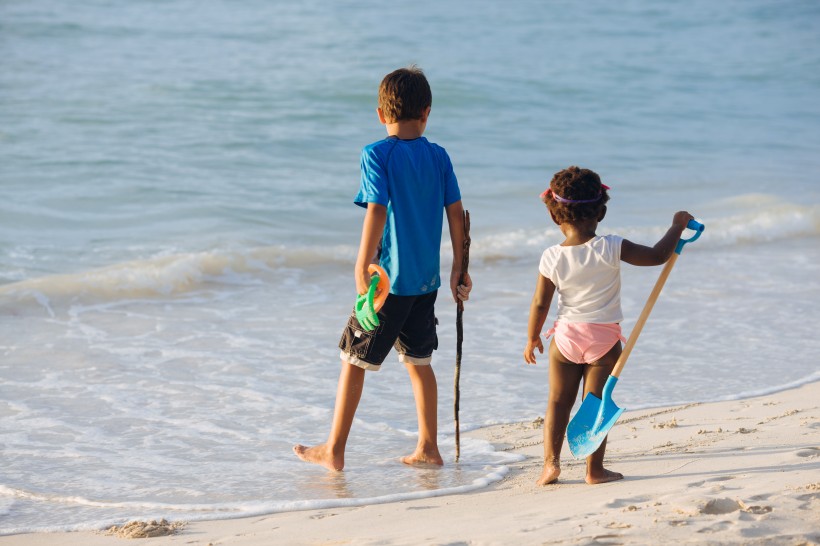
{"x": 697, "y": 227}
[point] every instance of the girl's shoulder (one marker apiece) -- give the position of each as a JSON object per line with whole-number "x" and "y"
{"x": 550, "y": 256}
{"x": 609, "y": 247}
{"x": 604, "y": 241}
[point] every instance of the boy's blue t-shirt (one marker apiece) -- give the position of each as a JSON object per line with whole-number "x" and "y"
{"x": 414, "y": 179}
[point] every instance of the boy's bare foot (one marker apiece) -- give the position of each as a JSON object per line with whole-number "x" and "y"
{"x": 320, "y": 455}
{"x": 421, "y": 457}
{"x": 550, "y": 473}
{"x": 603, "y": 476}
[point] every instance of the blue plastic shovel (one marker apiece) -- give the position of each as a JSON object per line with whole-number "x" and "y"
{"x": 595, "y": 417}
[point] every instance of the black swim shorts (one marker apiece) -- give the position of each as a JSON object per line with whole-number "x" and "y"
{"x": 407, "y": 323}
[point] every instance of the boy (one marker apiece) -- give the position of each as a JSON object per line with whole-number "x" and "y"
{"x": 406, "y": 183}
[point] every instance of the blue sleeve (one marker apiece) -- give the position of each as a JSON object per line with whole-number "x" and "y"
{"x": 451, "y": 191}
{"x": 373, "y": 187}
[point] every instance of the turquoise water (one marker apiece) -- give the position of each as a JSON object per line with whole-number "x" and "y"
{"x": 177, "y": 230}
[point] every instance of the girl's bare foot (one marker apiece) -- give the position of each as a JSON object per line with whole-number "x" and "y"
{"x": 320, "y": 455}
{"x": 602, "y": 476}
{"x": 422, "y": 457}
{"x": 552, "y": 469}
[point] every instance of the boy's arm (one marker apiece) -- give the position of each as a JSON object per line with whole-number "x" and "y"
{"x": 635, "y": 254}
{"x": 372, "y": 230}
{"x": 455, "y": 221}
{"x": 541, "y": 300}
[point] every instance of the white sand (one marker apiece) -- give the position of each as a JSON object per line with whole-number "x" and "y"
{"x": 737, "y": 472}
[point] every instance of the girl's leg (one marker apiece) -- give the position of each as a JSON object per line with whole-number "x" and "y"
{"x": 425, "y": 392}
{"x": 595, "y": 377}
{"x": 564, "y": 380}
{"x": 331, "y": 454}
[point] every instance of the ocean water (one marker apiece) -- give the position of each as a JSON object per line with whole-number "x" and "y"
{"x": 177, "y": 231}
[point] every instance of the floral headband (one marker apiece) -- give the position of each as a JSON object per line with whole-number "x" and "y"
{"x": 548, "y": 192}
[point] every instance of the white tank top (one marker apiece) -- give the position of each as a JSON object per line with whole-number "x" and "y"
{"x": 587, "y": 278}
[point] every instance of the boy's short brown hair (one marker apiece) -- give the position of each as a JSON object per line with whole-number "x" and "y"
{"x": 404, "y": 94}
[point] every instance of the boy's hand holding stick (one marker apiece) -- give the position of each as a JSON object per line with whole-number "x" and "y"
{"x": 465, "y": 262}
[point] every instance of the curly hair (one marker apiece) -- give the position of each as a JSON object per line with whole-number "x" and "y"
{"x": 404, "y": 94}
{"x": 575, "y": 194}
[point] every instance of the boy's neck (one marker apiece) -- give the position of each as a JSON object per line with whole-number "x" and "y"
{"x": 407, "y": 129}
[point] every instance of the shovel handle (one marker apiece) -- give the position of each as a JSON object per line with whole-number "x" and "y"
{"x": 653, "y": 297}
{"x": 697, "y": 227}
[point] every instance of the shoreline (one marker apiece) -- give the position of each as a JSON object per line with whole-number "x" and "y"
{"x": 743, "y": 471}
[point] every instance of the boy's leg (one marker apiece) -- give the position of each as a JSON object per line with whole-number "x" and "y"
{"x": 564, "y": 380}
{"x": 360, "y": 350}
{"x": 331, "y": 454}
{"x": 595, "y": 377}
{"x": 425, "y": 392}
{"x": 415, "y": 345}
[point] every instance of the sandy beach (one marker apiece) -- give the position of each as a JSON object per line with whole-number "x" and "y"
{"x": 733, "y": 472}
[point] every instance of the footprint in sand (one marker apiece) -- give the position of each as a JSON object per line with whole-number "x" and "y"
{"x": 617, "y": 525}
{"x": 762, "y": 496}
{"x": 808, "y": 499}
{"x": 718, "y": 486}
{"x": 756, "y": 510}
{"x": 716, "y": 479}
{"x": 620, "y": 503}
{"x": 809, "y": 453}
{"x": 716, "y": 527}
{"x": 322, "y": 516}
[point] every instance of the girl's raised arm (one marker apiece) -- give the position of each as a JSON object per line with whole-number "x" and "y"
{"x": 635, "y": 254}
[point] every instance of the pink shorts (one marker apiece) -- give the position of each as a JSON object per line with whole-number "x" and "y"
{"x": 584, "y": 342}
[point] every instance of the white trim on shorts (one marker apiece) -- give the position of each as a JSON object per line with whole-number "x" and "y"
{"x": 356, "y": 361}
{"x": 412, "y": 360}
{"x": 415, "y": 360}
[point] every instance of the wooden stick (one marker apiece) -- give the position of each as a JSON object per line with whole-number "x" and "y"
{"x": 465, "y": 263}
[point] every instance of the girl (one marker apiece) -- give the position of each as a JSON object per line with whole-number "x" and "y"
{"x": 585, "y": 271}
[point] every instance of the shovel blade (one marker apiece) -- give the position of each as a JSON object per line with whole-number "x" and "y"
{"x": 592, "y": 421}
